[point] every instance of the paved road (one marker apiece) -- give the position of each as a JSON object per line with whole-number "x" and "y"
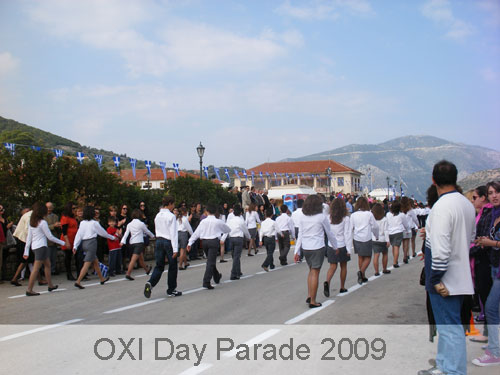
{"x": 272, "y": 304}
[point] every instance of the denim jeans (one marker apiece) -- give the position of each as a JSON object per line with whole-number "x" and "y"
{"x": 492, "y": 313}
{"x": 163, "y": 247}
{"x": 451, "y": 355}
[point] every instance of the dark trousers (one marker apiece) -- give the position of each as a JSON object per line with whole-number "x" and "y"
{"x": 68, "y": 254}
{"x": 79, "y": 256}
{"x": 210, "y": 247}
{"x": 270, "y": 244}
{"x": 115, "y": 260}
{"x": 284, "y": 246}
{"x": 237, "y": 246}
{"x": 193, "y": 253}
{"x": 163, "y": 247}
{"x": 53, "y": 258}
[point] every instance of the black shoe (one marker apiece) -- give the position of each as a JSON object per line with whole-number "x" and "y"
{"x": 308, "y": 300}
{"x": 128, "y": 277}
{"x": 386, "y": 271}
{"x": 79, "y": 286}
{"x": 234, "y": 278}
{"x": 272, "y": 266}
{"x": 104, "y": 281}
{"x": 53, "y": 288}
{"x": 223, "y": 261}
{"x": 360, "y": 278}
{"x": 71, "y": 277}
{"x": 174, "y": 293}
{"x": 343, "y": 290}
{"x": 326, "y": 289}
{"x": 241, "y": 274}
{"x": 250, "y": 255}
{"x": 147, "y": 290}
{"x": 149, "y": 270}
{"x": 209, "y": 286}
{"x": 396, "y": 265}
{"x": 217, "y": 278}
{"x": 377, "y": 274}
{"x": 405, "y": 260}
{"x": 311, "y": 306}
{"x": 15, "y": 283}
{"x": 31, "y": 294}
{"x": 365, "y": 280}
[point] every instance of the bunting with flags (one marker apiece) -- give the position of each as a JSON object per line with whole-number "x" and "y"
{"x": 148, "y": 166}
{"x": 253, "y": 177}
{"x": 276, "y": 177}
{"x": 116, "y": 160}
{"x": 98, "y": 159}
{"x": 133, "y": 163}
{"x": 226, "y": 172}
{"x": 58, "y": 152}
{"x": 36, "y": 148}
{"x": 163, "y": 167}
{"x": 11, "y": 147}
{"x": 80, "y": 156}
{"x": 245, "y": 174}
{"x": 261, "y": 176}
{"x": 205, "y": 169}
{"x": 237, "y": 174}
{"x": 176, "y": 168}
{"x": 217, "y": 173}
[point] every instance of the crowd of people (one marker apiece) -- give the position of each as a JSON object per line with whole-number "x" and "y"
{"x": 461, "y": 248}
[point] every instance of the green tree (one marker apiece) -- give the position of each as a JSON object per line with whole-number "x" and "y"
{"x": 17, "y": 137}
{"x": 192, "y": 190}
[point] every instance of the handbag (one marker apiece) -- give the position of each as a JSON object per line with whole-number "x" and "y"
{"x": 10, "y": 240}
{"x": 422, "y": 277}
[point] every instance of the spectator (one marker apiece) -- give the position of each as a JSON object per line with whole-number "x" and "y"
{"x": 53, "y": 222}
{"x": 69, "y": 227}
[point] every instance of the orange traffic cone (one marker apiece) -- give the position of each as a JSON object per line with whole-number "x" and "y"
{"x": 473, "y": 331}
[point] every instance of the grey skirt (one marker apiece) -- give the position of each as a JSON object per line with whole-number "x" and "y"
{"x": 41, "y": 253}
{"x": 253, "y": 232}
{"x": 363, "y": 249}
{"x": 183, "y": 239}
{"x": 379, "y": 247}
{"x": 89, "y": 247}
{"x": 342, "y": 257}
{"x": 396, "y": 239}
{"x": 314, "y": 258}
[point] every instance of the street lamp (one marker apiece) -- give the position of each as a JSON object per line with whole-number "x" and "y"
{"x": 201, "y": 150}
{"x": 388, "y": 194}
{"x": 328, "y": 172}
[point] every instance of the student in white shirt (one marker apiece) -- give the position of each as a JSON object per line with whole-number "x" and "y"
{"x": 285, "y": 226}
{"x": 87, "y": 236}
{"x": 414, "y": 223}
{"x": 381, "y": 245}
{"x": 297, "y": 215}
{"x": 38, "y": 233}
{"x": 237, "y": 237}
{"x": 251, "y": 219}
{"x": 396, "y": 225}
{"x": 340, "y": 225}
{"x": 184, "y": 230}
{"x": 137, "y": 230}
{"x": 411, "y": 222}
{"x": 311, "y": 243}
{"x": 363, "y": 224}
{"x": 209, "y": 231}
{"x": 268, "y": 231}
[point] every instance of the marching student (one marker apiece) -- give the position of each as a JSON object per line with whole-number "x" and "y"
{"x": 341, "y": 228}
{"x": 381, "y": 245}
{"x": 184, "y": 230}
{"x": 296, "y": 215}
{"x": 311, "y": 242}
{"x": 237, "y": 237}
{"x": 268, "y": 231}
{"x": 137, "y": 230}
{"x": 287, "y": 231}
{"x": 167, "y": 244}
{"x": 411, "y": 221}
{"x": 87, "y": 236}
{"x": 363, "y": 224}
{"x": 38, "y": 233}
{"x": 209, "y": 231}
{"x": 396, "y": 225}
{"x": 251, "y": 219}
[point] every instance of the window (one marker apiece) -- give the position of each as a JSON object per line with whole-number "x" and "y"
{"x": 340, "y": 181}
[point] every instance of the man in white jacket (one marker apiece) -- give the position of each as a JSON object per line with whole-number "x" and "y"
{"x": 450, "y": 229}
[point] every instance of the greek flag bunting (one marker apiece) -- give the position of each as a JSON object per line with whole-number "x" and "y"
{"x": 163, "y": 167}
{"x": 133, "y": 163}
{"x": 236, "y": 173}
{"x": 58, "y": 152}
{"x": 176, "y": 168}
{"x": 217, "y": 173}
{"x": 226, "y": 172}
{"x": 148, "y": 166}
{"x": 276, "y": 177}
{"x": 261, "y": 176}
{"x": 80, "y": 156}
{"x": 98, "y": 159}
{"x": 267, "y": 175}
{"x": 245, "y": 174}
{"x": 402, "y": 192}
{"x": 36, "y": 148}
{"x": 253, "y": 177}
{"x": 11, "y": 147}
{"x": 205, "y": 169}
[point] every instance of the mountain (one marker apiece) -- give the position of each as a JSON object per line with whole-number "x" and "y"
{"x": 409, "y": 161}
{"x": 479, "y": 178}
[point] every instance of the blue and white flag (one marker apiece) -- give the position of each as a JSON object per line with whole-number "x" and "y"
{"x": 217, "y": 173}
{"x": 80, "y": 156}
{"x": 402, "y": 192}
{"x": 36, "y": 148}
{"x": 133, "y": 163}
{"x": 303, "y": 176}
{"x": 237, "y": 174}
{"x": 176, "y": 168}
{"x": 253, "y": 177}
{"x": 163, "y": 167}
{"x": 267, "y": 175}
{"x": 261, "y": 176}
{"x": 58, "y": 152}
{"x": 98, "y": 159}
{"x": 276, "y": 177}
{"x": 286, "y": 175}
{"x": 116, "y": 160}
{"x": 11, "y": 147}
{"x": 245, "y": 174}
{"x": 226, "y": 172}
{"x": 205, "y": 169}
{"x": 148, "y": 166}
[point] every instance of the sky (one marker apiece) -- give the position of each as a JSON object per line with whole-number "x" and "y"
{"x": 254, "y": 81}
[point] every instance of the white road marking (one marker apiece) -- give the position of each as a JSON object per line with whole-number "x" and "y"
{"x": 133, "y": 306}
{"x": 40, "y": 329}
{"x": 192, "y": 291}
{"x": 310, "y": 312}
{"x": 256, "y": 340}
{"x": 45, "y": 292}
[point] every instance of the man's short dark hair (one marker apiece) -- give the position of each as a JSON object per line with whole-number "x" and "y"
{"x": 167, "y": 200}
{"x": 300, "y": 203}
{"x": 237, "y": 210}
{"x": 269, "y": 212}
{"x": 445, "y": 173}
{"x": 211, "y": 209}
{"x": 284, "y": 209}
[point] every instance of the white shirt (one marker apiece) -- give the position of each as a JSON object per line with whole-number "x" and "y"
{"x": 268, "y": 228}
{"x": 37, "y": 237}
{"x": 166, "y": 227}
{"x": 252, "y": 218}
{"x": 396, "y": 224}
{"x": 89, "y": 229}
{"x": 296, "y": 216}
{"x": 383, "y": 233}
{"x": 230, "y": 216}
{"x": 343, "y": 234}
{"x": 326, "y": 209}
{"x": 136, "y": 229}
{"x": 451, "y": 226}
{"x": 312, "y": 233}
{"x": 238, "y": 228}
{"x": 184, "y": 226}
{"x": 363, "y": 224}
{"x": 209, "y": 229}
{"x": 412, "y": 219}
{"x": 285, "y": 223}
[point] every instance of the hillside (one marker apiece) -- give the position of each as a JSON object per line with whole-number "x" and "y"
{"x": 479, "y": 178}
{"x": 409, "y": 160}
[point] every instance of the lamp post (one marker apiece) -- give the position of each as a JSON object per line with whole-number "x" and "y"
{"x": 395, "y": 187}
{"x": 328, "y": 181}
{"x": 201, "y": 150}
{"x": 388, "y": 194}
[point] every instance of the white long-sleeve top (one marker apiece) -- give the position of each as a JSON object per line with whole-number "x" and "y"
{"x": 238, "y": 228}
{"x": 296, "y": 216}
{"x": 396, "y": 224}
{"x": 383, "y": 233}
{"x": 285, "y": 223}
{"x": 269, "y": 228}
{"x": 251, "y": 219}
{"x": 166, "y": 227}
{"x": 37, "y": 237}
{"x": 184, "y": 226}
{"x": 89, "y": 229}
{"x": 136, "y": 229}
{"x": 363, "y": 224}
{"x": 312, "y": 233}
{"x": 209, "y": 229}
{"x": 343, "y": 234}
{"x": 412, "y": 219}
